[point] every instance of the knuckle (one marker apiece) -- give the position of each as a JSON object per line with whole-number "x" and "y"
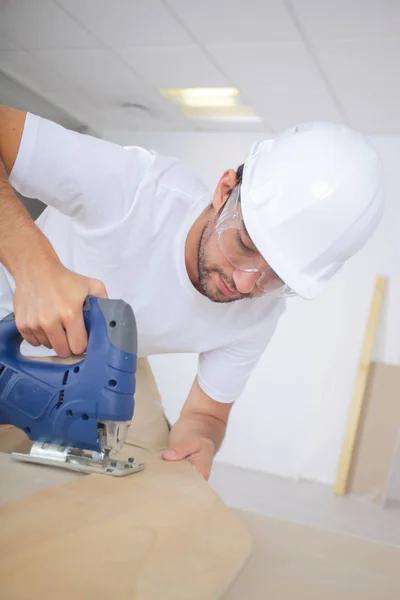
{"x": 32, "y": 325}
{"x": 68, "y": 314}
{"x": 48, "y": 324}
{"x": 45, "y": 320}
{"x": 22, "y": 325}
{"x": 99, "y": 287}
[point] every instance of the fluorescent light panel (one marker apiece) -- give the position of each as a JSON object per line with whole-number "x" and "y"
{"x": 242, "y": 114}
{"x": 211, "y": 104}
{"x": 201, "y": 97}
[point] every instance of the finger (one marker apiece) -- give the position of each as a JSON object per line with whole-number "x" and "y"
{"x": 30, "y": 338}
{"x": 76, "y": 333}
{"x": 42, "y": 338}
{"x": 97, "y": 288}
{"x": 58, "y": 340}
{"x": 170, "y": 455}
{"x": 27, "y": 333}
{"x": 181, "y": 451}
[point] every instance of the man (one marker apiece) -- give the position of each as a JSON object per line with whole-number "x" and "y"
{"x": 205, "y": 274}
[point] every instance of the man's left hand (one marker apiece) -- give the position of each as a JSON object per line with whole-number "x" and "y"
{"x": 198, "y": 450}
{"x": 199, "y": 431}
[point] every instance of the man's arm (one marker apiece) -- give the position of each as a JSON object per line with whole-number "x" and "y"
{"x": 199, "y": 431}
{"x": 48, "y": 297}
{"x": 18, "y": 233}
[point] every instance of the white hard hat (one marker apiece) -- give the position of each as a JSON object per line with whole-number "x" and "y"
{"x": 311, "y": 198}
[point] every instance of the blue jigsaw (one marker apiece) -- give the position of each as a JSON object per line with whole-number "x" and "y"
{"x": 78, "y": 415}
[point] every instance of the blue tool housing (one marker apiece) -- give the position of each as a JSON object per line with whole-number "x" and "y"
{"x": 61, "y": 403}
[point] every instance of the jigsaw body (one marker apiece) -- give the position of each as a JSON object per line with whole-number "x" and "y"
{"x": 77, "y": 414}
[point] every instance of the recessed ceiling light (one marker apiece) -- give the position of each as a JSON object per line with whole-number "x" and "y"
{"x": 135, "y": 107}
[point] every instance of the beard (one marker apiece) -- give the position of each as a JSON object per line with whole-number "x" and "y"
{"x": 206, "y": 271}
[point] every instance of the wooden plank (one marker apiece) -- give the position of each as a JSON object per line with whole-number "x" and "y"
{"x": 162, "y": 533}
{"x": 359, "y": 389}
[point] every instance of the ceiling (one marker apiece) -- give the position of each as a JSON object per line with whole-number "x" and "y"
{"x": 292, "y": 60}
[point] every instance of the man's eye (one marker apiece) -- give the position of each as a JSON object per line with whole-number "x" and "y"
{"x": 244, "y": 247}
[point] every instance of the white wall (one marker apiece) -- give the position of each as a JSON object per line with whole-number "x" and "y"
{"x": 291, "y": 417}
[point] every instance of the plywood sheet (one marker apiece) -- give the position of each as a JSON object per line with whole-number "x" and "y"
{"x": 289, "y": 560}
{"x": 159, "y": 534}
{"x": 378, "y": 433}
{"x": 18, "y": 479}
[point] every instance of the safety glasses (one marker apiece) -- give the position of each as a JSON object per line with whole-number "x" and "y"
{"x": 235, "y": 244}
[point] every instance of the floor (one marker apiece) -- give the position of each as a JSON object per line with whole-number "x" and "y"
{"x": 299, "y": 562}
{"x": 306, "y": 503}
{"x": 310, "y": 544}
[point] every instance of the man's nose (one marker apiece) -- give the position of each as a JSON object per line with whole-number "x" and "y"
{"x": 245, "y": 281}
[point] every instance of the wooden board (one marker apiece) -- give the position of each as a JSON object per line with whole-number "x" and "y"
{"x": 359, "y": 389}
{"x": 378, "y": 433}
{"x": 289, "y": 561}
{"x": 160, "y": 534}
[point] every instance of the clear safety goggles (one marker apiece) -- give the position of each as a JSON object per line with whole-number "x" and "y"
{"x": 233, "y": 241}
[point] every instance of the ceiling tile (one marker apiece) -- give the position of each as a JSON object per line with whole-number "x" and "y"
{"x": 325, "y": 19}
{"x": 279, "y": 80}
{"x": 14, "y": 94}
{"x": 97, "y": 71}
{"x": 128, "y": 22}
{"x": 284, "y": 105}
{"x": 119, "y": 118}
{"x": 77, "y": 103}
{"x": 109, "y": 82}
{"x": 365, "y": 76}
{"x": 262, "y": 128}
{"x": 42, "y": 24}
{"x": 226, "y": 21}
{"x": 30, "y": 70}
{"x": 6, "y": 43}
{"x": 259, "y": 64}
{"x": 173, "y": 67}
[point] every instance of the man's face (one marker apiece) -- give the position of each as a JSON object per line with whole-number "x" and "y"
{"x": 218, "y": 279}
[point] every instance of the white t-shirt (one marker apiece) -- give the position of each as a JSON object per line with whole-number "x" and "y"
{"x": 122, "y": 216}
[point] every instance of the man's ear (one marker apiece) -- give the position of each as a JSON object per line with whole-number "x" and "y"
{"x": 223, "y": 189}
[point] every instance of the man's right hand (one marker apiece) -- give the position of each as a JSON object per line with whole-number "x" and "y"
{"x": 48, "y": 303}
{"x": 48, "y": 299}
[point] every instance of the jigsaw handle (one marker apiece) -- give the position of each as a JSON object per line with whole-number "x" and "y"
{"x": 60, "y": 403}
{"x": 117, "y": 315}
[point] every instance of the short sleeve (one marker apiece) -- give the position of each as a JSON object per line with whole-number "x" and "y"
{"x": 223, "y": 372}
{"x": 93, "y": 181}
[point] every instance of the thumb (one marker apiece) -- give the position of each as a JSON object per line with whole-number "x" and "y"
{"x": 181, "y": 451}
{"x": 97, "y": 288}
